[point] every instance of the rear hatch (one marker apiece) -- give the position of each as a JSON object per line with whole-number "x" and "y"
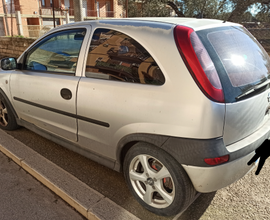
{"x": 243, "y": 67}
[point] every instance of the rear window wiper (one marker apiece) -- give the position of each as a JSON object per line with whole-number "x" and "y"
{"x": 253, "y": 89}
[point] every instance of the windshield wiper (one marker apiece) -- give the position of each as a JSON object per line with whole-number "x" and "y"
{"x": 254, "y": 88}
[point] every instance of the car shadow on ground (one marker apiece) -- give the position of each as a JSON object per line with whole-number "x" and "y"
{"x": 198, "y": 207}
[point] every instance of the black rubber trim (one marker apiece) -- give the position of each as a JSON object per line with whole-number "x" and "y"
{"x": 194, "y": 151}
{"x": 190, "y": 151}
{"x": 101, "y": 123}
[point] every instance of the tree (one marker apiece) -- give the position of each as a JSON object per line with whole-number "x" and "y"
{"x": 201, "y": 9}
{"x": 264, "y": 14}
{"x": 231, "y": 10}
{"x": 155, "y": 8}
{"x": 247, "y": 17}
{"x": 241, "y": 6}
{"x": 147, "y": 8}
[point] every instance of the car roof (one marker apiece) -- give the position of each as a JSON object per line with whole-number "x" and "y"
{"x": 194, "y": 23}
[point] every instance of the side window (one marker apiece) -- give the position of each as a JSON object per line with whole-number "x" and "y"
{"x": 116, "y": 56}
{"x": 56, "y": 53}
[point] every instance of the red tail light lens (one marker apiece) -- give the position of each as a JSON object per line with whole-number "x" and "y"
{"x": 217, "y": 160}
{"x": 198, "y": 62}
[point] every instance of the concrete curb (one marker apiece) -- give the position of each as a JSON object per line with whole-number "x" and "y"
{"x": 87, "y": 201}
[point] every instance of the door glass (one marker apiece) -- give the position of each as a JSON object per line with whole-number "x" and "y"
{"x": 56, "y": 53}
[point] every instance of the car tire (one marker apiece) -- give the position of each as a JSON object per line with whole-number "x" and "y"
{"x": 7, "y": 118}
{"x": 164, "y": 188}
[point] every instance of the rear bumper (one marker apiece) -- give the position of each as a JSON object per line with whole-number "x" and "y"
{"x": 209, "y": 179}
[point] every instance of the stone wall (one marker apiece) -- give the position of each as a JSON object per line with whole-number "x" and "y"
{"x": 13, "y": 47}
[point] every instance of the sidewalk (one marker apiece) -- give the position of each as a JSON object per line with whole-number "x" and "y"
{"x": 88, "y": 202}
{"x": 23, "y": 197}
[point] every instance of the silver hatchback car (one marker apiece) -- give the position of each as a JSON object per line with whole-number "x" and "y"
{"x": 178, "y": 104}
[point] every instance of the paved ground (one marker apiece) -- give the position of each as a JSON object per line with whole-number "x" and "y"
{"x": 248, "y": 198}
{"x": 23, "y": 197}
{"x": 87, "y": 201}
{"x": 109, "y": 183}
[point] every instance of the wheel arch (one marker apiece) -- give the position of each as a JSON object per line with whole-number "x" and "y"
{"x": 9, "y": 103}
{"x": 186, "y": 151}
{"x": 130, "y": 140}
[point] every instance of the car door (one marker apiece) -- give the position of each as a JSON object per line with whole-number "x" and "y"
{"x": 44, "y": 91}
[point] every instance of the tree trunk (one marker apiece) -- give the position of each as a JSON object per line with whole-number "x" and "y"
{"x": 241, "y": 7}
{"x": 174, "y": 7}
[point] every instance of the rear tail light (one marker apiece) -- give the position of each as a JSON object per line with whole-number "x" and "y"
{"x": 217, "y": 160}
{"x": 198, "y": 62}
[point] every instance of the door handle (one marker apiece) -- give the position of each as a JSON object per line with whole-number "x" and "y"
{"x": 66, "y": 94}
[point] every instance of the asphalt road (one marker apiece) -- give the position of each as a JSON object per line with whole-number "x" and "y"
{"x": 23, "y": 197}
{"x": 248, "y": 198}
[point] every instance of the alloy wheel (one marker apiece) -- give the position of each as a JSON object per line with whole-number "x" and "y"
{"x": 152, "y": 181}
{"x": 3, "y": 114}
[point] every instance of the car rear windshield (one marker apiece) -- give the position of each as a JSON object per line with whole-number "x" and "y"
{"x": 240, "y": 60}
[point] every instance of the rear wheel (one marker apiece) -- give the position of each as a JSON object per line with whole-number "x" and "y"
{"x": 157, "y": 180}
{"x": 7, "y": 118}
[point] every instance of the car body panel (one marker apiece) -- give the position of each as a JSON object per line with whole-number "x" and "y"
{"x": 209, "y": 179}
{"x": 194, "y": 23}
{"x": 254, "y": 140}
{"x": 45, "y": 107}
{"x": 71, "y": 145}
{"x": 5, "y": 82}
{"x": 31, "y": 106}
{"x": 245, "y": 117}
{"x": 162, "y": 117}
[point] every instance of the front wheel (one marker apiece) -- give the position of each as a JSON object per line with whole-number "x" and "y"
{"x": 7, "y": 118}
{"x": 157, "y": 180}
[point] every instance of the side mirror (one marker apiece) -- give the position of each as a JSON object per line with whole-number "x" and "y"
{"x": 9, "y": 63}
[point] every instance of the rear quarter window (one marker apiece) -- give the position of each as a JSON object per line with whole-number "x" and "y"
{"x": 116, "y": 56}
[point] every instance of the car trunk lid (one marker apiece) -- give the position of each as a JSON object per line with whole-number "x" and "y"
{"x": 243, "y": 67}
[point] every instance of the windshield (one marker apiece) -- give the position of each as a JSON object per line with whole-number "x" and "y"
{"x": 240, "y": 60}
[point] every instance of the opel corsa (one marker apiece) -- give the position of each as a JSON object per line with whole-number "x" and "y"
{"x": 179, "y": 105}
